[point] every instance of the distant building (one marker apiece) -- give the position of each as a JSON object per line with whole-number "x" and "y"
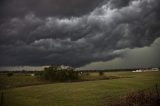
{"x": 138, "y": 71}
{"x": 62, "y": 67}
{"x": 146, "y": 70}
{"x": 155, "y": 69}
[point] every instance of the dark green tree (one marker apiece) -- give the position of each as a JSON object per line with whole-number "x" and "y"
{"x": 56, "y": 73}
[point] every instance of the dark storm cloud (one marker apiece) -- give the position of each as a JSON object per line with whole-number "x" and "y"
{"x": 77, "y": 38}
{"x": 118, "y": 3}
{"x": 45, "y": 8}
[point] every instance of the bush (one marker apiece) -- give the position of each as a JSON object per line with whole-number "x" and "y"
{"x": 87, "y": 73}
{"x": 101, "y": 73}
{"x": 9, "y": 74}
{"x": 55, "y": 73}
{"x": 38, "y": 73}
{"x": 140, "y": 98}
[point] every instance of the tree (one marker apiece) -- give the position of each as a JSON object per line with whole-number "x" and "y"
{"x": 56, "y": 73}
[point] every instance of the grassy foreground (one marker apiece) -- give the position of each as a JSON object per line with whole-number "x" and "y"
{"x": 87, "y": 93}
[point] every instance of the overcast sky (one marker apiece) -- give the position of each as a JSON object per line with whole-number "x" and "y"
{"x": 90, "y": 34}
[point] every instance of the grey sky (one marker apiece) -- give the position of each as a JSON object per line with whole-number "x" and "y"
{"x": 144, "y": 57}
{"x": 79, "y": 32}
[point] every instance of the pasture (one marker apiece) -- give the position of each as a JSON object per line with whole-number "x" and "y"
{"x": 89, "y": 92}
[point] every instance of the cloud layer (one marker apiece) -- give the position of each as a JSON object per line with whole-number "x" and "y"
{"x": 145, "y": 57}
{"x": 94, "y": 34}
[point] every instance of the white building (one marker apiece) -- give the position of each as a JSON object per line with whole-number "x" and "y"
{"x": 138, "y": 71}
{"x": 155, "y": 69}
{"x": 146, "y": 70}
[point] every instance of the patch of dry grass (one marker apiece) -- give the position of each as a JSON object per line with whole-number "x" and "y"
{"x": 140, "y": 98}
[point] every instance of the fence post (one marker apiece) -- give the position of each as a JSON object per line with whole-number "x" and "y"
{"x": 2, "y": 98}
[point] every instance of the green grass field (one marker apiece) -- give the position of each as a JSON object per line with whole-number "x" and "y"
{"x": 86, "y": 93}
{"x": 19, "y": 80}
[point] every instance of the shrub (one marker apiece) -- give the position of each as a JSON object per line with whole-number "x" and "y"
{"x": 140, "y": 98}
{"x": 56, "y": 73}
{"x": 101, "y": 73}
{"x": 87, "y": 73}
{"x": 9, "y": 74}
{"x": 38, "y": 73}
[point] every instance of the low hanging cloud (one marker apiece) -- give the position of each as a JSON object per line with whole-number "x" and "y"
{"x": 78, "y": 40}
{"x": 144, "y": 57}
